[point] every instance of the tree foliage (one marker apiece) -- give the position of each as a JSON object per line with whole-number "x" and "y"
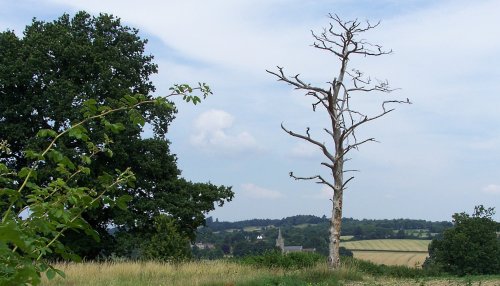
{"x": 96, "y": 64}
{"x": 37, "y": 212}
{"x": 470, "y": 247}
{"x": 168, "y": 243}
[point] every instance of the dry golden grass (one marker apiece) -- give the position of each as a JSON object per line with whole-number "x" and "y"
{"x": 154, "y": 273}
{"x": 388, "y": 244}
{"x": 410, "y": 259}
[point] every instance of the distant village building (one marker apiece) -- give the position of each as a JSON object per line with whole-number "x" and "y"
{"x": 260, "y": 237}
{"x": 280, "y": 243}
{"x": 201, "y": 245}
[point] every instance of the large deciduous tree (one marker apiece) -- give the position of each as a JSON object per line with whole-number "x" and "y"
{"x": 342, "y": 40}
{"x": 46, "y": 76}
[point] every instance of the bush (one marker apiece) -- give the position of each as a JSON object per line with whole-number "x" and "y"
{"x": 275, "y": 259}
{"x": 471, "y": 247}
{"x": 167, "y": 243}
{"x": 385, "y": 270}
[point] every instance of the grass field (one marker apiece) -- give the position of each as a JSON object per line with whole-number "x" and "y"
{"x": 225, "y": 273}
{"x": 252, "y": 228}
{"x": 388, "y": 244}
{"x": 411, "y": 259}
{"x": 409, "y": 252}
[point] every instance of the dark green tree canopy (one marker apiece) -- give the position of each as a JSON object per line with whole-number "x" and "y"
{"x": 470, "y": 247}
{"x": 46, "y": 76}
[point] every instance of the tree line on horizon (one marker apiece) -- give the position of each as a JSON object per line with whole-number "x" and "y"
{"x": 392, "y": 224}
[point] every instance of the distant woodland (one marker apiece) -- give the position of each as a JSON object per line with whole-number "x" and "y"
{"x": 240, "y": 238}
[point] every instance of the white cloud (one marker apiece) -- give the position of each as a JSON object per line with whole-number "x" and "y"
{"x": 492, "y": 189}
{"x": 253, "y": 191}
{"x": 211, "y": 132}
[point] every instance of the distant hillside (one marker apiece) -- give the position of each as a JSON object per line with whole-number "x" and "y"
{"x": 258, "y": 235}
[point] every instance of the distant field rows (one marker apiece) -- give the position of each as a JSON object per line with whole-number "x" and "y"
{"x": 411, "y": 259}
{"x": 409, "y": 252}
{"x": 388, "y": 245}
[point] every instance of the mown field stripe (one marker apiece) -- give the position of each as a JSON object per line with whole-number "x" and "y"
{"x": 387, "y": 250}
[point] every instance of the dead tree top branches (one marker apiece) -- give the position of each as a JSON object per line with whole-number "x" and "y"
{"x": 335, "y": 98}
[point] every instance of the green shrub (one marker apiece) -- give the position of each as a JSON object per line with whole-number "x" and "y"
{"x": 385, "y": 270}
{"x": 275, "y": 259}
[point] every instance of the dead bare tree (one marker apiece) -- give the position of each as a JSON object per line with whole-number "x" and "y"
{"x": 340, "y": 39}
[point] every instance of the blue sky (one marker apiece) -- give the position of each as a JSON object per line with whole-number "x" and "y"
{"x": 438, "y": 156}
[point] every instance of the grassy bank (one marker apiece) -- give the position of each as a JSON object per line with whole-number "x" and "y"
{"x": 229, "y": 273}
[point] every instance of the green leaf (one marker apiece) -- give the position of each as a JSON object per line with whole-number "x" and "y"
{"x": 9, "y": 232}
{"x": 60, "y": 273}
{"x": 122, "y": 201}
{"x": 24, "y": 172}
{"x": 55, "y": 156}
{"x": 43, "y": 133}
{"x": 89, "y": 108}
{"x": 103, "y": 109}
{"x": 50, "y": 274}
{"x": 136, "y": 117}
{"x": 78, "y": 132}
{"x": 29, "y": 154}
{"x": 86, "y": 160}
{"x": 130, "y": 100}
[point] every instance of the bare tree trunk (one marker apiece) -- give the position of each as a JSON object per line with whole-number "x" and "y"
{"x": 335, "y": 226}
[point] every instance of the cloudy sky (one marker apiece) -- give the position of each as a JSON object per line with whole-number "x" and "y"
{"x": 438, "y": 156}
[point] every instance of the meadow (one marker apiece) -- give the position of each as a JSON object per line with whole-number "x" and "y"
{"x": 228, "y": 273}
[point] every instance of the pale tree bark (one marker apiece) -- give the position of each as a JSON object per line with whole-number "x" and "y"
{"x": 340, "y": 39}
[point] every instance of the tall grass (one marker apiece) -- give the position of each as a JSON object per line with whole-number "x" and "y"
{"x": 219, "y": 272}
{"x": 154, "y": 273}
{"x": 231, "y": 273}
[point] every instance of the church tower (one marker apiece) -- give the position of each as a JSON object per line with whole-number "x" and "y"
{"x": 280, "y": 242}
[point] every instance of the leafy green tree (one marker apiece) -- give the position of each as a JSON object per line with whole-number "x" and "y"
{"x": 470, "y": 247}
{"x": 168, "y": 243}
{"x": 37, "y": 213}
{"x": 56, "y": 67}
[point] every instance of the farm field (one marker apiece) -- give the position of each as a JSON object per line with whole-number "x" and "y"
{"x": 411, "y": 259}
{"x": 409, "y": 252}
{"x": 388, "y": 244}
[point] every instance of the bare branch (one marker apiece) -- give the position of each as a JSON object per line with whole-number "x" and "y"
{"x": 317, "y": 177}
{"x": 407, "y": 101}
{"x": 346, "y": 182}
{"x": 357, "y": 144}
{"x": 309, "y": 139}
{"x": 327, "y": 165}
{"x": 296, "y": 82}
